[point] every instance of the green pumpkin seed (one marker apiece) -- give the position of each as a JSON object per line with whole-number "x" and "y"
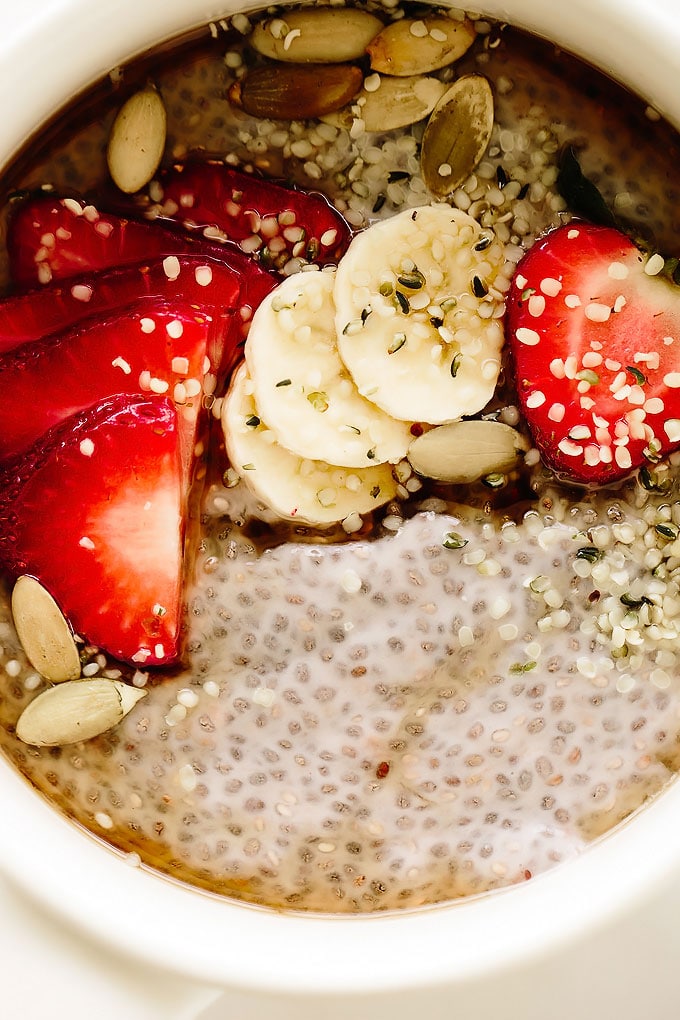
{"x": 457, "y": 134}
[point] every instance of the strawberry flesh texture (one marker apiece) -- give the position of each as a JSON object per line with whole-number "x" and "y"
{"x": 286, "y": 221}
{"x": 104, "y": 532}
{"x": 51, "y": 238}
{"x": 47, "y": 381}
{"x": 204, "y": 282}
{"x": 595, "y": 344}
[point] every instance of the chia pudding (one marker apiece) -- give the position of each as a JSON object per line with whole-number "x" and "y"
{"x": 445, "y": 695}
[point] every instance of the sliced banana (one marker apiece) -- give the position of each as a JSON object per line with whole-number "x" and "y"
{"x": 301, "y": 387}
{"x": 417, "y": 317}
{"x": 310, "y": 491}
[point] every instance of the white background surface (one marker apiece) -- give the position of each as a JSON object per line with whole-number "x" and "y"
{"x": 49, "y": 971}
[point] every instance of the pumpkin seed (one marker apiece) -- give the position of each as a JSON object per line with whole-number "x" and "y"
{"x": 323, "y": 36}
{"x": 457, "y": 134}
{"x": 296, "y": 92}
{"x": 465, "y": 451}
{"x": 43, "y": 632}
{"x": 74, "y": 711}
{"x": 418, "y": 46}
{"x": 399, "y": 102}
{"x": 137, "y": 140}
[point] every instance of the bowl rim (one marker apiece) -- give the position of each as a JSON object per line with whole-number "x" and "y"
{"x": 225, "y": 942}
{"x": 142, "y": 915}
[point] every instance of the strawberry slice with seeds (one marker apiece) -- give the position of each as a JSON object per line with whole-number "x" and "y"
{"x": 270, "y": 221}
{"x": 51, "y": 238}
{"x": 96, "y": 512}
{"x": 594, "y": 335}
{"x": 152, "y": 346}
{"x": 208, "y": 284}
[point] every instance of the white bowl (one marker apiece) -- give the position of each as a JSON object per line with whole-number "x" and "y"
{"x": 595, "y": 937}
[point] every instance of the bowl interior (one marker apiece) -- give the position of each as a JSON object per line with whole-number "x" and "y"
{"x": 227, "y": 942}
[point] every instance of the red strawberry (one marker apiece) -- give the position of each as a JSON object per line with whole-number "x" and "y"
{"x": 269, "y": 220}
{"x": 150, "y": 346}
{"x": 95, "y": 511}
{"x": 204, "y": 282}
{"x": 595, "y": 340}
{"x": 51, "y": 238}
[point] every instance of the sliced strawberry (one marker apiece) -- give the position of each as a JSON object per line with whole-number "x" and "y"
{"x": 595, "y": 340}
{"x": 49, "y": 309}
{"x": 149, "y": 346}
{"x": 51, "y": 238}
{"x": 95, "y": 511}
{"x": 208, "y": 284}
{"x": 266, "y": 219}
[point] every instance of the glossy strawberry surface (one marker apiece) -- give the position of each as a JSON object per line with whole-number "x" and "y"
{"x": 202, "y": 281}
{"x": 273, "y": 222}
{"x": 594, "y": 337}
{"x": 51, "y": 238}
{"x": 96, "y": 512}
{"x": 151, "y": 346}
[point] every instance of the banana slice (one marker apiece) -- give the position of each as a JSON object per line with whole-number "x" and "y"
{"x": 301, "y": 387}
{"x": 310, "y": 491}
{"x": 417, "y": 318}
